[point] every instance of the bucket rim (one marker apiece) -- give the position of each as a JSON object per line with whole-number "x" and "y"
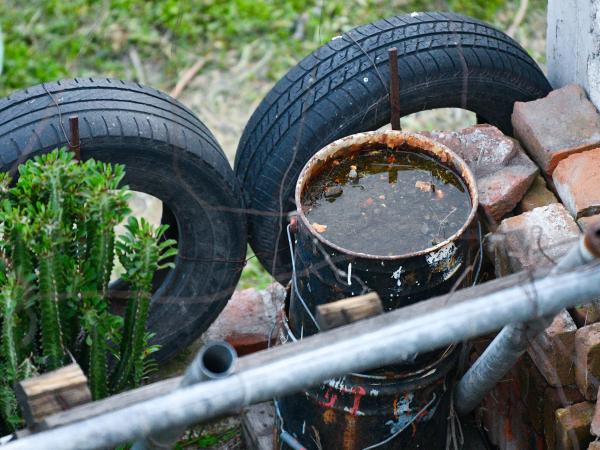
{"x": 391, "y": 138}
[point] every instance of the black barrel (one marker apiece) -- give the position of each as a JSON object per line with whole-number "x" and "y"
{"x": 404, "y": 406}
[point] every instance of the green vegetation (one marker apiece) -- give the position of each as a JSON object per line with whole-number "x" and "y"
{"x": 49, "y": 39}
{"x": 57, "y": 248}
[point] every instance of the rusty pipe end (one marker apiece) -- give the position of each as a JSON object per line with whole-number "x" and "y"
{"x": 591, "y": 238}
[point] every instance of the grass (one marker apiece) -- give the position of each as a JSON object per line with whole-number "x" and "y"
{"x": 50, "y": 39}
{"x": 46, "y": 40}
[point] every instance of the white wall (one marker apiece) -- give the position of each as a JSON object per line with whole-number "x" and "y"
{"x": 573, "y": 45}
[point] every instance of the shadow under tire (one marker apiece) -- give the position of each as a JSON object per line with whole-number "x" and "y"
{"x": 444, "y": 60}
{"x": 167, "y": 153}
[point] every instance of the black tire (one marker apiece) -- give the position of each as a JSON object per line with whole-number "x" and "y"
{"x": 444, "y": 60}
{"x": 168, "y": 153}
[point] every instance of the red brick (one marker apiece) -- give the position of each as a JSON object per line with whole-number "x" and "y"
{"x": 587, "y": 360}
{"x": 537, "y": 195}
{"x": 573, "y": 426}
{"x": 554, "y": 127}
{"x": 248, "y": 319}
{"x": 577, "y": 181}
{"x": 555, "y": 398}
{"x": 532, "y": 386}
{"x": 502, "y": 169}
{"x": 553, "y": 351}
{"x": 536, "y": 238}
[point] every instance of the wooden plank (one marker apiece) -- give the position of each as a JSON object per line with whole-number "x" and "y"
{"x": 52, "y": 392}
{"x": 110, "y": 404}
{"x": 348, "y": 310}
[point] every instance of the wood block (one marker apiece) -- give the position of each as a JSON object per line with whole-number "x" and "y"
{"x": 587, "y": 358}
{"x": 556, "y": 398}
{"x": 554, "y": 349}
{"x": 52, "y": 392}
{"x": 573, "y": 426}
{"x": 348, "y": 310}
{"x": 258, "y": 424}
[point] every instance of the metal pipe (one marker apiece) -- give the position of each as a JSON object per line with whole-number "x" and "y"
{"x": 215, "y": 360}
{"x": 364, "y": 345}
{"x": 512, "y": 341}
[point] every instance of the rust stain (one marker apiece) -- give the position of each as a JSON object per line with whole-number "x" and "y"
{"x": 329, "y": 416}
{"x": 350, "y": 431}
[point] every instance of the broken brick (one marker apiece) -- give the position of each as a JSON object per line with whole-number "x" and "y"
{"x": 248, "y": 319}
{"x": 556, "y": 398}
{"x": 556, "y": 126}
{"x": 577, "y": 181}
{"x": 573, "y": 426}
{"x": 587, "y": 360}
{"x": 502, "y": 169}
{"x": 552, "y": 351}
{"x": 536, "y": 238}
{"x": 537, "y": 195}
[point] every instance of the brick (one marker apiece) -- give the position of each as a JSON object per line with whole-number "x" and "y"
{"x": 595, "y": 426}
{"x": 506, "y": 418}
{"x": 536, "y": 238}
{"x": 553, "y": 351}
{"x": 248, "y": 319}
{"x": 503, "y": 171}
{"x": 577, "y": 181}
{"x": 594, "y": 446}
{"x": 537, "y": 195}
{"x": 585, "y": 314}
{"x": 555, "y": 398}
{"x": 573, "y": 426}
{"x": 585, "y": 222}
{"x": 587, "y": 360}
{"x": 556, "y": 126}
{"x": 532, "y": 387}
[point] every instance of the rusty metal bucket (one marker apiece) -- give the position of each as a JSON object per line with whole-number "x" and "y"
{"x": 405, "y": 406}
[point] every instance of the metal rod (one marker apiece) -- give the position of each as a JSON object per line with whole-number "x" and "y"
{"x": 75, "y": 142}
{"x": 394, "y": 89}
{"x": 215, "y": 360}
{"x": 290, "y": 368}
{"x": 512, "y": 341}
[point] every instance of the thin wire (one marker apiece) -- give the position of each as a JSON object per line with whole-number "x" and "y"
{"x": 60, "y": 121}
{"x": 294, "y": 284}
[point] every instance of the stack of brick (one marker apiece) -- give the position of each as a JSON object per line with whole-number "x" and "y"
{"x": 557, "y": 381}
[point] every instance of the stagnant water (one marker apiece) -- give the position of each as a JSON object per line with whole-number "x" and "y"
{"x": 386, "y": 202}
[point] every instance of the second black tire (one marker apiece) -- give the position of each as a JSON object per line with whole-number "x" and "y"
{"x": 444, "y": 60}
{"x": 168, "y": 153}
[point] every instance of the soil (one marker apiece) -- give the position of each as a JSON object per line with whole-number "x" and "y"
{"x": 386, "y": 202}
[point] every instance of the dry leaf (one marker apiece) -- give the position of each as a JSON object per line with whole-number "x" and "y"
{"x": 319, "y": 228}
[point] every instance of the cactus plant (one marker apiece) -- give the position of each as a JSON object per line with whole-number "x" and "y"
{"x": 57, "y": 251}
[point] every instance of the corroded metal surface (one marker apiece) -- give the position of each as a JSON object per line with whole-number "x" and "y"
{"x": 326, "y": 272}
{"x": 404, "y": 406}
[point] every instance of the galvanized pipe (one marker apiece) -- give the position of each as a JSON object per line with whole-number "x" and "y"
{"x": 215, "y": 360}
{"x": 363, "y": 345}
{"x": 512, "y": 341}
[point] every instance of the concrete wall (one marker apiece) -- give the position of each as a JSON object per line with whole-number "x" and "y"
{"x": 573, "y": 45}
